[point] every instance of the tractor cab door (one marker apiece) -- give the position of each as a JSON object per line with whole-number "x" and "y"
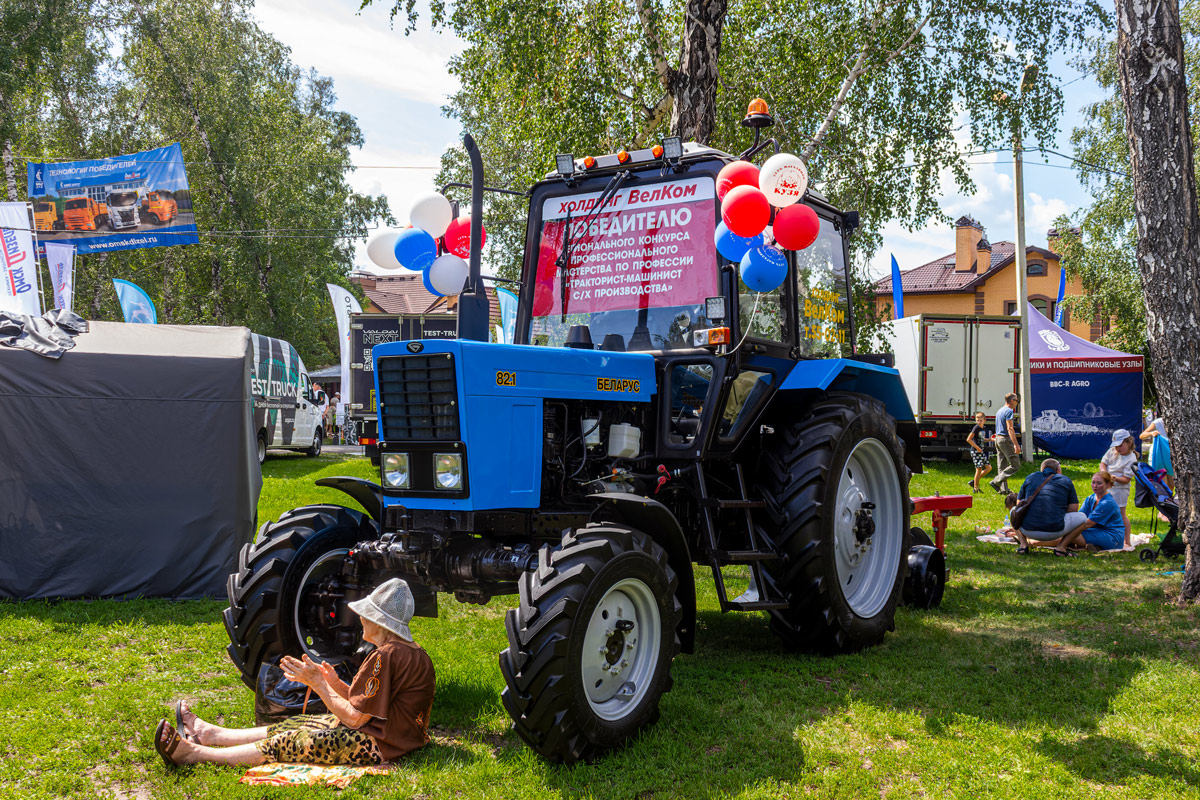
{"x": 688, "y": 388}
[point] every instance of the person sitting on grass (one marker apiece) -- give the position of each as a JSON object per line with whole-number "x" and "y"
{"x": 1053, "y": 510}
{"x": 1104, "y": 529}
{"x": 1006, "y": 530}
{"x": 380, "y": 716}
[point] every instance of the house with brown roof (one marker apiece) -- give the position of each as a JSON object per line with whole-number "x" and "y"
{"x": 978, "y": 278}
{"x": 404, "y": 292}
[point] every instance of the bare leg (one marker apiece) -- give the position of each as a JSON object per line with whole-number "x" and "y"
{"x": 206, "y": 733}
{"x": 1072, "y": 537}
{"x": 1128, "y": 528}
{"x": 243, "y": 754}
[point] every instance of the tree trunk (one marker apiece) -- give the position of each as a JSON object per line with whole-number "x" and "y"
{"x": 1154, "y": 92}
{"x": 694, "y": 84}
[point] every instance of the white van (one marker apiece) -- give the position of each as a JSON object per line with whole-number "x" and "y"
{"x": 286, "y": 409}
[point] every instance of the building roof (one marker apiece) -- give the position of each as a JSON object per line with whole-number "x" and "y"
{"x": 940, "y": 277}
{"x": 405, "y": 293}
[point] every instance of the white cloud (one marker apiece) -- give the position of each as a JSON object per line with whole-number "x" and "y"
{"x": 350, "y": 46}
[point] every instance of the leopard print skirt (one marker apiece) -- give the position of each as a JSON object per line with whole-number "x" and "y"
{"x": 318, "y": 739}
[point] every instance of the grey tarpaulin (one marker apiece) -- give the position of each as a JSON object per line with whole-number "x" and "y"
{"x": 48, "y": 335}
{"x": 128, "y": 466}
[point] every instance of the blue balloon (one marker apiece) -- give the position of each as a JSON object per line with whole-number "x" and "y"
{"x": 764, "y": 268}
{"x": 732, "y": 246}
{"x": 415, "y": 249}
{"x": 429, "y": 286}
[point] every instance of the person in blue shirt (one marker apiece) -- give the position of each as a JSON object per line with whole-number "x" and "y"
{"x": 1104, "y": 529}
{"x": 1053, "y": 510}
{"x": 1008, "y": 443}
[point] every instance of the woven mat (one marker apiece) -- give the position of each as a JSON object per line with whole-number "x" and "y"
{"x": 308, "y": 775}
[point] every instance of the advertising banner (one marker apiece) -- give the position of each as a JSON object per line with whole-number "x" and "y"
{"x": 344, "y": 304}
{"x": 121, "y": 203}
{"x": 136, "y": 305}
{"x": 61, "y": 258}
{"x": 18, "y": 265}
{"x": 649, "y": 247}
{"x": 508, "y": 315}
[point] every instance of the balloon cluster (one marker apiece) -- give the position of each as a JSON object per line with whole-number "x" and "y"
{"x": 444, "y": 270}
{"x": 747, "y": 196}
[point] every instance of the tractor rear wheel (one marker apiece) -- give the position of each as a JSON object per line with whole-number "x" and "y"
{"x": 590, "y": 647}
{"x": 838, "y": 512}
{"x": 284, "y": 592}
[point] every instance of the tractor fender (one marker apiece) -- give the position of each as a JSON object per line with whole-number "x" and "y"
{"x": 860, "y": 377}
{"x": 369, "y": 495}
{"x": 656, "y": 521}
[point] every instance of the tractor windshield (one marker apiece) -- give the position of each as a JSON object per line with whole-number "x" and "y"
{"x": 636, "y": 270}
{"x": 822, "y": 295}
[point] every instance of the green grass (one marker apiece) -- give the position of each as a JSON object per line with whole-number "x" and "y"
{"x": 1037, "y": 678}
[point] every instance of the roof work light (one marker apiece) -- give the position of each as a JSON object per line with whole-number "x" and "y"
{"x": 565, "y": 162}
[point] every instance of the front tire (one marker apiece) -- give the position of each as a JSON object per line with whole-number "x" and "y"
{"x": 278, "y": 600}
{"x": 314, "y": 449}
{"x": 591, "y": 645}
{"x": 261, "y": 448}
{"x": 819, "y": 475}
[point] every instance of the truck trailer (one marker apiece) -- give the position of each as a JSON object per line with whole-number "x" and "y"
{"x": 953, "y": 366}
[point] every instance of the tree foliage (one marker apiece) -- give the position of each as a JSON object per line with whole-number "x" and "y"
{"x": 267, "y": 155}
{"x": 1099, "y": 242}
{"x": 885, "y": 98}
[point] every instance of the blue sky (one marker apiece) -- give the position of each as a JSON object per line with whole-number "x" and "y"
{"x": 395, "y": 85}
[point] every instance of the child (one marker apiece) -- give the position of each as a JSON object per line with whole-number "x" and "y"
{"x": 979, "y": 439}
{"x": 1006, "y": 530}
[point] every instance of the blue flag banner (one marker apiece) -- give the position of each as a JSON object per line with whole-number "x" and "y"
{"x": 508, "y": 314}
{"x": 897, "y": 290}
{"x": 136, "y": 305}
{"x": 1062, "y": 292}
{"x": 121, "y": 203}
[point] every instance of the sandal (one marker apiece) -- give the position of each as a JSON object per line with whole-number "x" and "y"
{"x": 1063, "y": 553}
{"x": 167, "y": 748}
{"x": 1023, "y": 550}
{"x": 180, "y": 727}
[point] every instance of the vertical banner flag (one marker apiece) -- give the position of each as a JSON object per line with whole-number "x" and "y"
{"x": 1062, "y": 291}
{"x": 61, "y": 258}
{"x": 19, "y": 265}
{"x": 120, "y": 203}
{"x": 136, "y": 305}
{"x": 508, "y": 314}
{"x": 897, "y": 290}
{"x": 344, "y": 304}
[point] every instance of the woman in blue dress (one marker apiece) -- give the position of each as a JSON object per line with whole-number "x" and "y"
{"x": 1104, "y": 529}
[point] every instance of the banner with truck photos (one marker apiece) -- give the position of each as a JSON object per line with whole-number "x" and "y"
{"x": 120, "y": 203}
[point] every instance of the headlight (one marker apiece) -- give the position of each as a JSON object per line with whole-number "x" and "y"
{"x": 395, "y": 470}
{"x": 447, "y": 468}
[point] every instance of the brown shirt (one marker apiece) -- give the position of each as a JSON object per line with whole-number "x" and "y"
{"x": 395, "y": 686}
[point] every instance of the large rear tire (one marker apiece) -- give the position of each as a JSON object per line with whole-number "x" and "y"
{"x": 819, "y": 475}
{"x": 274, "y": 608}
{"x": 590, "y": 647}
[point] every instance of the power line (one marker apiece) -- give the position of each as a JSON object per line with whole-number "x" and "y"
{"x": 244, "y": 165}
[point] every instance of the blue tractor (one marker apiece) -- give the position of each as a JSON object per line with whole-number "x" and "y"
{"x": 653, "y": 414}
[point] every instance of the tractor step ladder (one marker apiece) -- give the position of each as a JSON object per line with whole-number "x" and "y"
{"x": 754, "y": 557}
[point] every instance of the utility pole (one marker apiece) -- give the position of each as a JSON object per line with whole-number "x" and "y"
{"x": 1025, "y": 409}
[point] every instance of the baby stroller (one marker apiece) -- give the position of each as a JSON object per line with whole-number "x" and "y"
{"x": 1151, "y": 492}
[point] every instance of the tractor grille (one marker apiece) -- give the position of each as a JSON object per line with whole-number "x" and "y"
{"x": 418, "y": 398}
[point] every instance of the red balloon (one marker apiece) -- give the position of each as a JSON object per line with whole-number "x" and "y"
{"x": 736, "y": 173}
{"x": 746, "y": 211}
{"x": 796, "y": 226}
{"x": 458, "y": 237}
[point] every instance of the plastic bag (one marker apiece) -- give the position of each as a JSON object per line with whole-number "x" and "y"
{"x": 276, "y": 698}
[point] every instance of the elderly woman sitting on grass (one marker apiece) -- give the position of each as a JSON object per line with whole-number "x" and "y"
{"x": 380, "y": 716}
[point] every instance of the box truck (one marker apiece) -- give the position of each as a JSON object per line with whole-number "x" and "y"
{"x": 952, "y": 366}
{"x": 366, "y": 331}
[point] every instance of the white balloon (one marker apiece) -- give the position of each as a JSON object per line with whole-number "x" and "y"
{"x": 783, "y": 179}
{"x": 382, "y": 250}
{"x": 448, "y": 274}
{"x": 431, "y": 213}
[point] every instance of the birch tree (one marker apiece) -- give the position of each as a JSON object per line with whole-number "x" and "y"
{"x": 1150, "y": 58}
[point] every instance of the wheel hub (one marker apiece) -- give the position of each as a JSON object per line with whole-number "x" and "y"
{"x": 868, "y": 527}
{"x": 620, "y": 648}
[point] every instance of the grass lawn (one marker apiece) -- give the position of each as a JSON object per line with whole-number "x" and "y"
{"x": 1037, "y": 678}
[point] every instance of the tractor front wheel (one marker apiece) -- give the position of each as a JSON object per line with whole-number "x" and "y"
{"x": 838, "y": 512}
{"x": 284, "y": 598}
{"x": 590, "y": 647}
